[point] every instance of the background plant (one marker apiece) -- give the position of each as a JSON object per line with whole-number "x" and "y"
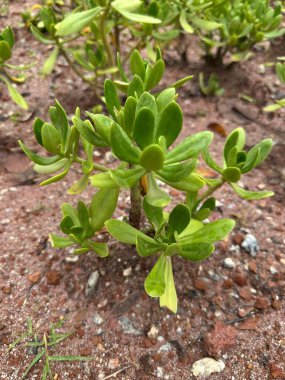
{"x": 7, "y": 41}
{"x": 280, "y": 72}
{"x": 42, "y": 344}
{"x": 140, "y": 131}
{"x": 231, "y": 26}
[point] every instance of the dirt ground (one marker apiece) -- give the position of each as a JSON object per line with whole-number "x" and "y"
{"x": 233, "y": 314}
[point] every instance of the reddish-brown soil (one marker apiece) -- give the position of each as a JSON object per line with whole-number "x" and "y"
{"x": 236, "y": 315}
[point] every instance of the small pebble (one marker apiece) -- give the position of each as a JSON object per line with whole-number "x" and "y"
{"x": 273, "y": 270}
{"x": 127, "y": 272}
{"x": 109, "y": 157}
{"x": 153, "y": 332}
{"x": 250, "y": 244}
{"x": 229, "y": 263}
{"x": 92, "y": 283}
{"x": 98, "y": 319}
{"x": 159, "y": 372}
{"x": 205, "y": 367}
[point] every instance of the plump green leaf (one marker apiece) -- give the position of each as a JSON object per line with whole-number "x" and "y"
{"x": 50, "y": 62}
{"x": 129, "y": 115}
{"x": 75, "y": 22}
{"x": 127, "y": 178}
{"x": 136, "y": 87}
{"x": 153, "y": 214}
{"x": 5, "y": 51}
{"x": 170, "y": 123}
{"x": 231, "y": 174}
{"x": 40, "y": 160}
{"x": 155, "y": 282}
{"x": 179, "y": 218}
{"x": 59, "y": 241}
{"x": 79, "y": 185}
{"x": 83, "y": 215}
{"x": 192, "y": 227}
{"x": 86, "y": 130}
{"x": 57, "y": 177}
{"x": 165, "y": 97}
{"x": 147, "y": 246}
{"x": 103, "y": 125}
{"x": 123, "y": 231}
{"x": 51, "y": 138}
{"x": 102, "y": 207}
{"x": 181, "y": 82}
{"x": 139, "y": 18}
{"x": 169, "y": 297}
{"x": 38, "y": 123}
{"x": 236, "y": 138}
{"x": 143, "y": 131}
{"x": 257, "y": 155}
{"x": 178, "y": 171}
{"x": 101, "y": 249}
{"x": 59, "y": 119}
{"x": 190, "y": 183}
{"x": 184, "y": 23}
{"x": 146, "y": 100}
{"x": 251, "y": 195}
{"x": 155, "y": 75}
{"x": 103, "y": 180}
{"x": 155, "y": 196}
{"x": 52, "y": 168}
{"x": 122, "y": 146}
{"x": 172, "y": 250}
{"x": 137, "y": 64}
{"x": 190, "y": 147}
{"x": 210, "y": 161}
{"x": 111, "y": 97}
{"x": 152, "y": 158}
{"x": 196, "y": 251}
{"x": 206, "y": 24}
{"x": 8, "y": 36}
{"x": 211, "y": 232}
{"x": 40, "y": 36}
{"x": 15, "y": 95}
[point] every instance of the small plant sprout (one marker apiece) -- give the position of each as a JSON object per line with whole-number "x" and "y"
{"x": 7, "y": 41}
{"x": 280, "y": 72}
{"x": 212, "y": 87}
{"x": 141, "y": 131}
{"x": 42, "y": 344}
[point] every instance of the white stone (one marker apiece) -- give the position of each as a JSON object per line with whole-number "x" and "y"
{"x": 273, "y": 270}
{"x": 98, "y": 319}
{"x": 153, "y": 332}
{"x": 229, "y": 263}
{"x": 203, "y": 368}
{"x": 127, "y": 272}
{"x": 159, "y": 372}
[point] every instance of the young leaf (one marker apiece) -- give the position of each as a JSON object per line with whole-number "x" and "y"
{"x": 5, "y": 51}
{"x": 169, "y": 297}
{"x": 59, "y": 241}
{"x": 264, "y": 148}
{"x": 231, "y": 174}
{"x": 170, "y": 123}
{"x": 147, "y": 246}
{"x": 50, "y": 62}
{"x": 236, "y": 138}
{"x": 164, "y": 98}
{"x": 137, "y": 64}
{"x": 59, "y": 119}
{"x": 141, "y": 19}
{"x": 127, "y": 178}
{"x": 123, "y": 231}
{"x": 103, "y": 125}
{"x": 51, "y": 138}
{"x": 101, "y": 249}
{"x": 143, "y": 131}
{"x": 153, "y": 214}
{"x": 152, "y": 158}
{"x": 178, "y": 171}
{"x": 129, "y": 115}
{"x": 155, "y": 282}
{"x": 112, "y": 98}
{"x": 15, "y": 95}
{"x": 196, "y": 251}
{"x": 102, "y": 207}
{"x": 36, "y": 158}
{"x": 136, "y": 87}
{"x": 75, "y": 22}
{"x": 184, "y": 23}
{"x": 52, "y": 168}
{"x": 179, "y": 218}
{"x": 211, "y": 232}
{"x": 155, "y": 196}
{"x": 103, "y": 181}
{"x": 8, "y": 36}
{"x": 190, "y": 147}
{"x": 122, "y": 146}
{"x": 206, "y": 24}
{"x": 79, "y": 185}
{"x": 191, "y": 183}
{"x": 251, "y": 195}
{"x": 211, "y": 162}
{"x": 155, "y": 75}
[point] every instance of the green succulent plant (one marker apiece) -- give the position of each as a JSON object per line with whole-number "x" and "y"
{"x": 140, "y": 129}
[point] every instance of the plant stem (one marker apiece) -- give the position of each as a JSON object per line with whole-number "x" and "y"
{"x": 99, "y": 167}
{"x": 135, "y": 210}
{"x": 103, "y": 35}
{"x": 211, "y": 190}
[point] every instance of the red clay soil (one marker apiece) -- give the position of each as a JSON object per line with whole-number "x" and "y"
{"x": 234, "y": 312}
